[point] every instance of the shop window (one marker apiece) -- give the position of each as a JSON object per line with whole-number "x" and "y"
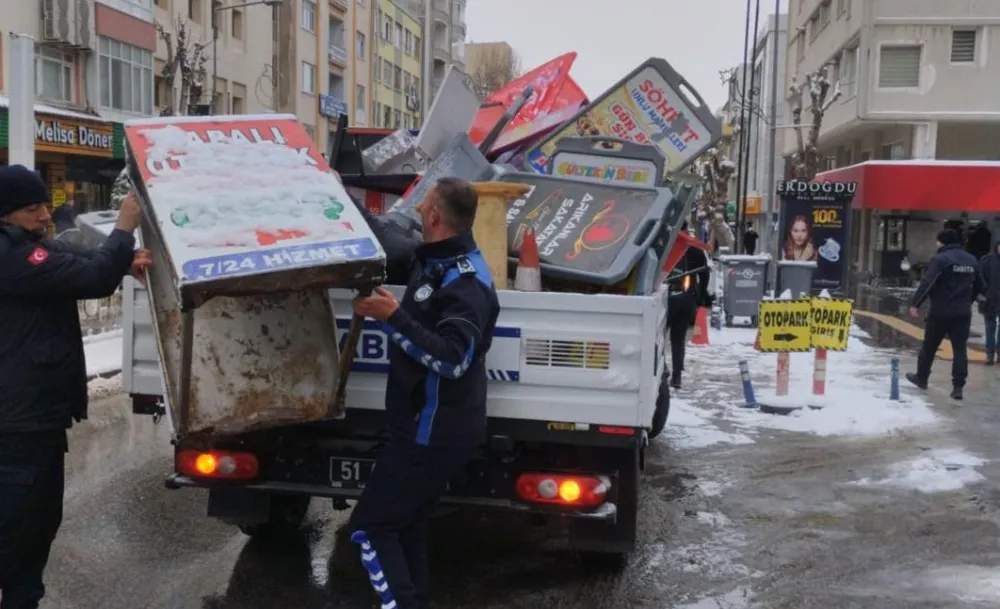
{"x": 54, "y": 74}
{"x": 126, "y": 77}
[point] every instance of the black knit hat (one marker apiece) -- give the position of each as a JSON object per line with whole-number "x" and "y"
{"x": 948, "y": 237}
{"x": 19, "y": 188}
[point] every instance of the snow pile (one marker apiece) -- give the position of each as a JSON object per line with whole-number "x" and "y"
{"x": 710, "y": 408}
{"x": 103, "y": 353}
{"x": 937, "y": 471}
{"x": 104, "y": 387}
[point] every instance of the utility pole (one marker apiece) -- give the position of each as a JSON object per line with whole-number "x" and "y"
{"x": 772, "y": 204}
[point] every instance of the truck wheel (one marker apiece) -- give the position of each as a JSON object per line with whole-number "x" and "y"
{"x": 607, "y": 545}
{"x": 286, "y": 516}
{"x": 662, "y": 408}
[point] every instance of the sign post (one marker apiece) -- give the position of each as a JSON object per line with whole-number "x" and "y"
{"x": 784, "y": 328}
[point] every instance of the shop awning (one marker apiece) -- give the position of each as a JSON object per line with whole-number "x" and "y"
{"x": 970, "y": 186}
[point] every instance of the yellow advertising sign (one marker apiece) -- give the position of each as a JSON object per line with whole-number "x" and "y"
{"x": 831, "y": 323}
{"x": 65, "y": 135}
{"x": 784, "y": 325}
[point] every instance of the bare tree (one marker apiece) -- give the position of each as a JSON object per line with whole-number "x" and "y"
{"x": 715, "y": 171}
{"x": 187, "y": 58}
{"x": 495, "y": 68}
{"x": 806, "y": 159}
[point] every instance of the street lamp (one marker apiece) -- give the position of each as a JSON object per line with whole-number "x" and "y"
{"x": 216, "y": 9}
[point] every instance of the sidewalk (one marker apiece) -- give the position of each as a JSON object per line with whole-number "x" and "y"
{"x": 710, "y": 408}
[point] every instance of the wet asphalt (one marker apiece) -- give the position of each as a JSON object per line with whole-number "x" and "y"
{"x": 776, "y": 524}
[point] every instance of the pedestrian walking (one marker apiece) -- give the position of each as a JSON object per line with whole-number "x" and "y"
{"x": 687, "y": 290}
{"x": 989, "y": 303}
{"x": 750, "y": 240}
{"x": 951, "y": 284}
{"x": 435, "y": 394}
{"x": 43, "y": 377}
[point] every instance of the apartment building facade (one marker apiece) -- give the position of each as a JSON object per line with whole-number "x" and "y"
{"x": 918, "y": 82}
{"x": 398, "y": 68}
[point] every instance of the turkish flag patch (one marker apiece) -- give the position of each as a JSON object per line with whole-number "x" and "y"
{"x": 38, "y": 256}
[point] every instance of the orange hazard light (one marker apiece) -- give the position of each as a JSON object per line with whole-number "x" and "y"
{"x": 220, "y": 464}
{"x": 555, "y": 489}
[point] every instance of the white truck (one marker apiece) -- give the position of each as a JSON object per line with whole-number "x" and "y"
{"x": 577, "y": 388}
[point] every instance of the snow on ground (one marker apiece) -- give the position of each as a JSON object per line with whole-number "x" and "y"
{"x": 709, "y": 410}
{"x": 103, "y": 353}
{"x": 935, "y": 471}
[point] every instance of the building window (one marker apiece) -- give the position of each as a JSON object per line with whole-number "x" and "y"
{"x": 308, "y": 77}
{"x": 397, "y": 78}
{"x": 237, "y": 24}
{"x": 387, "y": 29}
{"x": 386, "y": 116}
{"x": 195, "y": 10}
{"x": 813, "y": 28}
{"x": 399, "y": 35}
{"x": 378, "y": 69}
{"x": 359, "y": 97}
{"x": 899, "y": 66}
{"x": 416, "y": 46}
{"x": 408, "y": 42}
{"x": 360, "y": 41}
{"x": 416, "y": 85}
{"x": 309, "y": 15}
{"x": 126, "y": 74}
{"x": 849, "y": 72}
{"x": 843, "y": 7}
{"x": 963, "y": 46}
{"x": 397, "y": 119}
{"x": 160, "y": 3}
{"x": 800, "y": 48}
{"x": 387, "y": 72}
{"x": 824, "y": 14}
{"x": 407, "y": 82}
{"x": 54, "y": 74}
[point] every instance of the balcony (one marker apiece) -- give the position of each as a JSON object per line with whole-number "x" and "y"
{"x": 338, "y": 55}
{"x": 458, "y": 29}
{"x": 442, "y": 53}
{"x": 339, "y": 4}
{"x": 332, "y": 107}
{"x": 442, "y": 13}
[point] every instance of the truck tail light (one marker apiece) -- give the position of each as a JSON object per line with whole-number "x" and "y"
{"x": 219, "y": 464}
{"x": 556, "y": 489}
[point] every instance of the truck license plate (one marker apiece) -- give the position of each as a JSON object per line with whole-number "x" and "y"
{"x": 350, "y": 473}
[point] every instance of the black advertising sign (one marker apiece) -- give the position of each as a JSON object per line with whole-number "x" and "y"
{"x": 816, "y": 226}
{"x": 584, "y": 230}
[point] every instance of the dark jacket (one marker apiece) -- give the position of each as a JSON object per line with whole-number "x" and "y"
{"x": 439, "y": 336}
{"x": 43, "y": 375}
{"x": 951, "y": 283}
{"x": 989, "y": 266}
{"x": 693, "y": 265}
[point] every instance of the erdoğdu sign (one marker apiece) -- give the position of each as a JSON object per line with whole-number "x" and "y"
{"x": 238, "y": 196}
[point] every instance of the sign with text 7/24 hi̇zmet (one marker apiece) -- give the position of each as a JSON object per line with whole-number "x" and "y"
{"x": 245, "y": 195}
{"x": 785, "y": 325}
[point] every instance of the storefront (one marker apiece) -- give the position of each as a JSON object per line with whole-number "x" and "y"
{"x": 901, "y": 205}
{"x": 77, "y": 155}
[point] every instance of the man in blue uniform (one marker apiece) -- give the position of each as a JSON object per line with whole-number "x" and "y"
{"x": 435, "y": 394}
{"x": 952, "y": 283}
{"x": 43, "y": 377}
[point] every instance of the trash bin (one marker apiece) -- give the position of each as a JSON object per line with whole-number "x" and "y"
{"x": 795, "y": 275}
{"x": 745, "y": 281}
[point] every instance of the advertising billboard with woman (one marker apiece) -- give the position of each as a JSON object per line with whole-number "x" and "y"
{"x": 816, "y": 226}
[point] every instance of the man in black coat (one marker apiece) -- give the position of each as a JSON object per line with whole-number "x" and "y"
{"x": 951, "y": 284}
{"x": 687, "y": 290}
{"x": 43, "y": 376}
{"x": 989, "y": 306}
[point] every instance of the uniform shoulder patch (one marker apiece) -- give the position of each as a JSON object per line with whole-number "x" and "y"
{"x": 38, "y": 256}
{"x": 465, "y": 266}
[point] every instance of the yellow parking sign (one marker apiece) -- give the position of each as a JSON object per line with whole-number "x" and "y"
{"x": 784, "y": 325}
{"x": 831, "y": 323}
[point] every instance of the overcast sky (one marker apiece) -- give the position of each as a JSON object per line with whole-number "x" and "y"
{"x": 697, "y": 37}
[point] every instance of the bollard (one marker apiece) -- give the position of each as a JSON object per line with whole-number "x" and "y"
{"x": 819, "y": 372}
{"x": 781, "y": 386}
{"x": 894, "y": 380}
{"x": 748, "y": 397}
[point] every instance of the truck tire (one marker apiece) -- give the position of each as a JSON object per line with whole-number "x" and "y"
{"x": 662, "y": 408}
{"x": 286, "y": 517}
{"x": 604, "y": 545}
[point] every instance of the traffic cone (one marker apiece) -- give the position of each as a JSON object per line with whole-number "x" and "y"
{"x": 529, "y": 274}
{"x": 700, "y": 335}
{"x": 756, "y": 341}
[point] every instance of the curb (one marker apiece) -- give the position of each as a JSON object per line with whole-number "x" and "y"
{"x": 104, "y": 375}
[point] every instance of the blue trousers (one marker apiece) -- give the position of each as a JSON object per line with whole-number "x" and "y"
{"x": 992, "y": 326}
{"x": 32, "y": 474}
{"x": 390, "y": 520}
